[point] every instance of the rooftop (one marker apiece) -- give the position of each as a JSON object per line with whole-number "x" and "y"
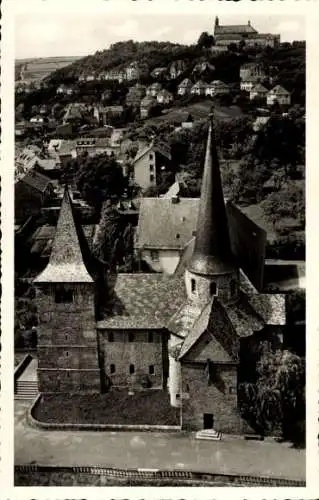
{"x": 143, "y": 301}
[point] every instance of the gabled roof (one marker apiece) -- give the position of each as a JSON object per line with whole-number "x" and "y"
{"x": 279, "y": 90}
{"x": 259, "y": 88}
{"x": 186, "y": 83}
{"x": 234, "y": 29}
{"x": 36, "y": 180}
{"x": 66, "y": 263}
{"x": 157, "y": 148}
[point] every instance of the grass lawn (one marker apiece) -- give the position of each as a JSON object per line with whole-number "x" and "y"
{"x": 115, "y": 407}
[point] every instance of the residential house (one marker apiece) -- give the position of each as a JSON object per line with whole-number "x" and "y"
{"x": 38, "y": 120}
{"x": 252, "y": 70}
{"x": 64, "y": 149}
{"x": 199, "y": 88}
{"x": 92, "y": 145}
{"x": 203, "y": 67}
{"x": 65, "y": 90}
{"x": 147, "y": 103}
{"x": 184, "y": 87}
{"x": 247, "y": 85}
{"x": 31, "y": 192}
{"x": 135, "y": 95}
{"x": 159, "y": 72}
{"x": 176, "y": 68}
{"x": 160, "y": 245}
{"x": 103, "y": 113}
{"x": 258, "y": 92}
{"x": 165, "y": 97}
{"x": 154, "y": 89}
{"x": 217, "y": 87}
{"x": 137, "y": 70}
{"x": 280, "y": 95}
{"x": 149, "y": 163}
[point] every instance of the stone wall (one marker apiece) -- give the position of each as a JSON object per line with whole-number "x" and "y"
{"x": 142, "y": 351}
{"x": 67, "y": 341}
{"x": 202, "y": 294}
{"x": 219, "y": 398}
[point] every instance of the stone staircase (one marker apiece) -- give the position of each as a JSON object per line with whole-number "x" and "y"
{"x": 26, "y": 389}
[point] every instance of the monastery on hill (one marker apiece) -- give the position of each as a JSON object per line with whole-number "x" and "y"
{"x": 182, "y": 333}
{"x": 243, "y": 33}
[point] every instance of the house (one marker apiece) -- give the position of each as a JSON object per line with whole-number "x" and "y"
{"x": 184, "y": 87}
{"x": 217, "y": 87}
{"x": 137, "y": 70}
{"x": 165, "y": 97}
{"x": 180, "y": 335}
{"x": 25, "y": 161}
{"x": 252, "y": 70}
{"x": 280, "y": 95}
{"x": 92, "y": 146}
{"x": 154, "y": 89}
{"x": 30, "y": 194}
{"x": 199, "y": 88}
{"x": 247, "y": 85}
{"x": 176, "y": 68}
{"x": 135, "y": 95}
{"x": 160, "y": 245}
{"x": 245, "y": 34}
{"x": 64, "y": 89}
{"x": 64, "y": 149}
{"x": 102, "y": 114}
{"x": 258, "y": 92}
{"x": 148, "y": 164}
{"x": 147, "y": 103}
{"x": 203, "y": 67}
{"x": 38, "y": 120}
{"x": 159, "y": 72}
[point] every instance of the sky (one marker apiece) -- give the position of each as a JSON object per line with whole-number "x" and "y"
{"x": 46, "y": 34}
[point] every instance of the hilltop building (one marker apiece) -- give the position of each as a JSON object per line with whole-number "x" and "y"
{"x": 243, "y": 34}
{"x": 182, "y": 333}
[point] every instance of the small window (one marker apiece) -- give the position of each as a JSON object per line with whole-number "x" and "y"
{"x": 178, "y": 396}
{"x": 151, "y": 156}
{"x": 112, "y": 368}
{"x": 68, "y": 374}
{"x": 233, "y": 287}
{"x": 150, "y": 337}
{"x": 151, "y": 168}
{"x": 151, "y": 369}
{"x": 67, "y": 354}
{"x": 132, "y": 369}
{"x": 232, "y": 390}
{"x": 63, "y": 295}
{"x": 152, "y": 177}
{"x": 178, "y": 236}
{"x": 111, "y": 337}
{"x": 131, "y": 337}
{"x": 154, "y": 255}
{"x": 213, "y": 288}
{"x": 66, "y": 338}
{"x": 193, "y": 285}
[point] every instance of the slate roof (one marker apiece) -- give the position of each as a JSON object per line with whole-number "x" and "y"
{"x": 66, "y": 264}
{"x": 36, "y": 180}
{"x": 143, "y": 301}
{"x": 259, "y": 88}
{"x": 279, "y": 90}
{"x": 164, "y": 224}
{"x": 42, "y": 239}
{"x": 234, "y": 28}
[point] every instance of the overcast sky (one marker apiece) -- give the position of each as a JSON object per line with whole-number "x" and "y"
{"x": 44, "y": 34}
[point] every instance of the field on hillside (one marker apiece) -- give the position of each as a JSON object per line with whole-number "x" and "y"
{"x": 34, "y": 69}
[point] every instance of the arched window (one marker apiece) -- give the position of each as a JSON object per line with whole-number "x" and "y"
{"x": 193, "y": 285}
{"x": 212, "y": 288}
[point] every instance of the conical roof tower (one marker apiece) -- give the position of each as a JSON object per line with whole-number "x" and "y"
{"x": 212, "y": 251}
{"x": 66, "y": 263}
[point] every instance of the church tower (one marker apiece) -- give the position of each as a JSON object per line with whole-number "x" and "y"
{"x": 212, "y": 270}
{"x": 67, "y": 340}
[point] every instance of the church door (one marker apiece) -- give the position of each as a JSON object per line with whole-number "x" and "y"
{"x": 208, "y": 421}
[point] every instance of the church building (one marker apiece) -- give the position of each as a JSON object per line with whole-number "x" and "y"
{"x": 180, "y": 334}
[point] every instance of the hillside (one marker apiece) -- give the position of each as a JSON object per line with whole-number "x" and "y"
{"x": 39, "y": 68}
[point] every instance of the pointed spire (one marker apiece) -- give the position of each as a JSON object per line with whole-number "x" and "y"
{"x": 212, "y": 252}
{"x": 66, "y": 264}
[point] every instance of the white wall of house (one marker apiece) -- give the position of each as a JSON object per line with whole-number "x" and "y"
{"x": 145, "y": 170}
{"x": 161, "y": 261}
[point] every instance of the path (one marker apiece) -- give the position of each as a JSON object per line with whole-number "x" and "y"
{"x": 154, "y": 450}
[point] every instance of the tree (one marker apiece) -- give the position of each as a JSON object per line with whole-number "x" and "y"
{"x": 205, "y": 40}
{"x": 277, "y": 399}
{"x": 100, "y": 178}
